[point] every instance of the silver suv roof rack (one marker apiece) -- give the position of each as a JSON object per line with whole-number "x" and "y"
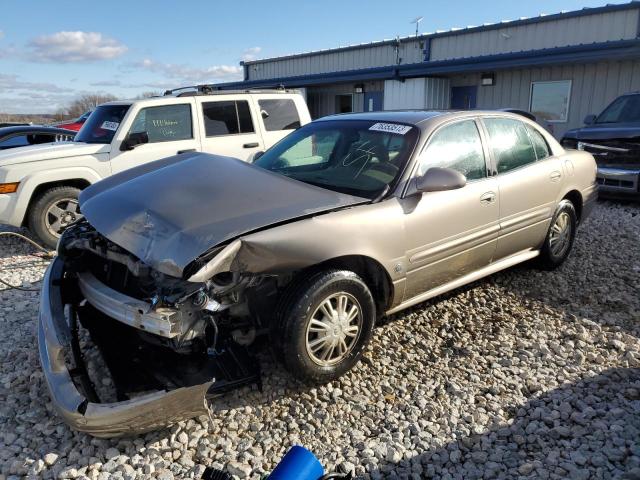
{"x": 196, "y": 90}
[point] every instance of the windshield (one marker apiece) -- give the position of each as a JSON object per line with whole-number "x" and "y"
{"x": 355, "y": 157}
{"x": 623, "y": 110}
{"x": 102, "y": 124}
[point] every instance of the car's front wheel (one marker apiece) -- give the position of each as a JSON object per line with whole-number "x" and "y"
{"x": 560, "y": 237}
{"x": 325, "y": 325}
{"x": 52, "y": 211}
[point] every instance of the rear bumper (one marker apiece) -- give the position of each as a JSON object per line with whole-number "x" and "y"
{"x": 617, "y": 181}
{"x": 589, "y": 197}
{"x": 135, "y": 416}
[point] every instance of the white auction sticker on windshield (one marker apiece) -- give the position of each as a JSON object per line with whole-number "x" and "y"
{"x": 390, "y": 128}
{"x": 110, "y": 125}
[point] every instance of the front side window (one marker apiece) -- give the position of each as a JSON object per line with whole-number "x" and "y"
{"x": 165, "y": 123}
{"x": 510, "y": 143}
{"x": 279, "y": 114}
{"x": 228, "y": 117}
{"x": 360, "y": 158}
{"x": 458, "y": 147}
{"x": 550, "y": 100}
{"x": 625, "y": 109}
{"x": 102, "y": 124}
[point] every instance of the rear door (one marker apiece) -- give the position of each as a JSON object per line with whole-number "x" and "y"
{"x": 229, "y": 126}
{"x": 529, "y": 181}
{"x": 171, "y": 130}
{"x": 452, "y": 233}
{"x": 279, "y": 116}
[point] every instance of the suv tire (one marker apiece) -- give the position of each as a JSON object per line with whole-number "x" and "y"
{"x": 52, "y": 211}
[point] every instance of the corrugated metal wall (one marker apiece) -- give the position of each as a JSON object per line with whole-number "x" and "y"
{"x": 593, "y": 87}
{"x": 428, "y": 93}
{"x": 621, "y": 25}
{"x": 352, "y": 59}
{"x": 599, "y": 27}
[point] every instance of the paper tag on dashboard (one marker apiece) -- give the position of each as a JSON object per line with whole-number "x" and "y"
{"x": 390, "y": 128}
{"x": 110, "y": 126}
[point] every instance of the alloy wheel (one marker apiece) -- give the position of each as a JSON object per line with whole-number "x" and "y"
{"x": 60, "y": 214}
{"x": 560, "y": 235}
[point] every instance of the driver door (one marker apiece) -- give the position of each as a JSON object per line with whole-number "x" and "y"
{"x": 171, "y": 131}
{"x": 451, "y": 233}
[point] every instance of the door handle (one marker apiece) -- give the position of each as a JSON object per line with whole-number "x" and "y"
{"x": 488, "y": 198}
{"x": 251, "y": 145}
{"x": 186, "y": 151}
{"x": 555, "y": 176}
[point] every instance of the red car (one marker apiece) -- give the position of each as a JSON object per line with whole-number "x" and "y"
{"x": 76, "y": 124}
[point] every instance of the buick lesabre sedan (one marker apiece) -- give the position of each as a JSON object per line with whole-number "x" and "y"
{"x": 182, "y": 266}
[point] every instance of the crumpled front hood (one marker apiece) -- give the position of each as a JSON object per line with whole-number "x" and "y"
{"x": 48, "y": 151}
{"x": 169, "y": 212}
{"x": 606, "y": 131}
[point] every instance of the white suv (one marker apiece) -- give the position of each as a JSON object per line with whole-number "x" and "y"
{"x": 39, "y": 185}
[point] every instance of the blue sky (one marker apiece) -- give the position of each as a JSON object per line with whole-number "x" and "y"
{"x": 52, "y": 51}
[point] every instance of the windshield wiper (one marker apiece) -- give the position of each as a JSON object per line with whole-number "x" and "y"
{"x": 382, "y": 194}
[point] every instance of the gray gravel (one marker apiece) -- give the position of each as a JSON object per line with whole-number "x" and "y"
{"x": 527, "y": 374}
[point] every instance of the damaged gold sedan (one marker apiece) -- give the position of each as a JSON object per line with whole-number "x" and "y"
{"x": 181, "y": 266}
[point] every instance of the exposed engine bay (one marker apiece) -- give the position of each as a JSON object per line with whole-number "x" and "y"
{"x": 169, "y": 331}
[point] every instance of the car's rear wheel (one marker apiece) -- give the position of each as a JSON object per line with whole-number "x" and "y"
{"x": 52, "y": 211}
{"x": 560, "y": 237}
{"x": 325, "y": 325}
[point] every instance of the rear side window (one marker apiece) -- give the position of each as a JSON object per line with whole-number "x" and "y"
{"x": 15, "y": 141}
{"x": 228, "y": 117}
{"x": 164, "y": 124}
{"x": 279, "y": 114}
{"x": 539, "y": 143}
{"x": 510, "y": 143}
{"x": 458, "y": 147}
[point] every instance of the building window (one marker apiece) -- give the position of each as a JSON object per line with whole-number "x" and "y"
{"x": 550, "y": 100}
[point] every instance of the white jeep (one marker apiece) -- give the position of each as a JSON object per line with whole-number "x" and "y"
{"x": 39, "y": 185}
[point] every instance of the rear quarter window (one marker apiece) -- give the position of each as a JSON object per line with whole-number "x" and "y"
{"x": 279, "y": 114}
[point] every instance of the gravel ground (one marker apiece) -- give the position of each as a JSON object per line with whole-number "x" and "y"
{"x": 526, "y": 374}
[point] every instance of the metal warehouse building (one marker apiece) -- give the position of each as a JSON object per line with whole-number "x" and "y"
{"x": 561, "y": 67}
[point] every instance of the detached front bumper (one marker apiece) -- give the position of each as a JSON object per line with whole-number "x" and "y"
{"x": 618, "y": 181}
{"x": 138, "y": 415}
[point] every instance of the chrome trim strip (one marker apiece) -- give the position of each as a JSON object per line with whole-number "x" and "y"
{"x": 601, "y": 147}
{"x": 471, "y": 277}
{"x": 164, "y": 321}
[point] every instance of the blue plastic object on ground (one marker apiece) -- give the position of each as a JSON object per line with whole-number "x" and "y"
{"x": 298, "y": 464}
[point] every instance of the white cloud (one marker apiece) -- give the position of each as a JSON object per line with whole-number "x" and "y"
{"x": 251, "y": 54}
{"x": 70, "y": 47}
{"x": 13, "y": 83}
{"x": 191, "y": 74}
{"x": 1, "y": 34}
{"x": 106, "y": 83}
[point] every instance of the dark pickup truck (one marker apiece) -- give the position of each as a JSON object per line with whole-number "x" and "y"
{"x": 613, "y": 138}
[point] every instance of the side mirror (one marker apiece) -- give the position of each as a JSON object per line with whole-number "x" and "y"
{"x": 438, "y": 179}
{"x": 133, "y": 140}
{"x": 590, "y": 119}
{"x": 257, "y": 155}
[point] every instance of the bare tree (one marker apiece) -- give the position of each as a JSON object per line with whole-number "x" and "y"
{"x": 87, "y": 102}
{"x": 148, "y": 95}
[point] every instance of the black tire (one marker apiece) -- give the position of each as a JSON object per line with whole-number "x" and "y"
{"x": 291, "y": 334}
{"x": 37, "y": 217}
{"x": 551, "y": 256}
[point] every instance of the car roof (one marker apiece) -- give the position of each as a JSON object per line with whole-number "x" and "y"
{"x": 4, "y": 131}
{"x": 413, "y": 117}
{"x": 420, "y": 118}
